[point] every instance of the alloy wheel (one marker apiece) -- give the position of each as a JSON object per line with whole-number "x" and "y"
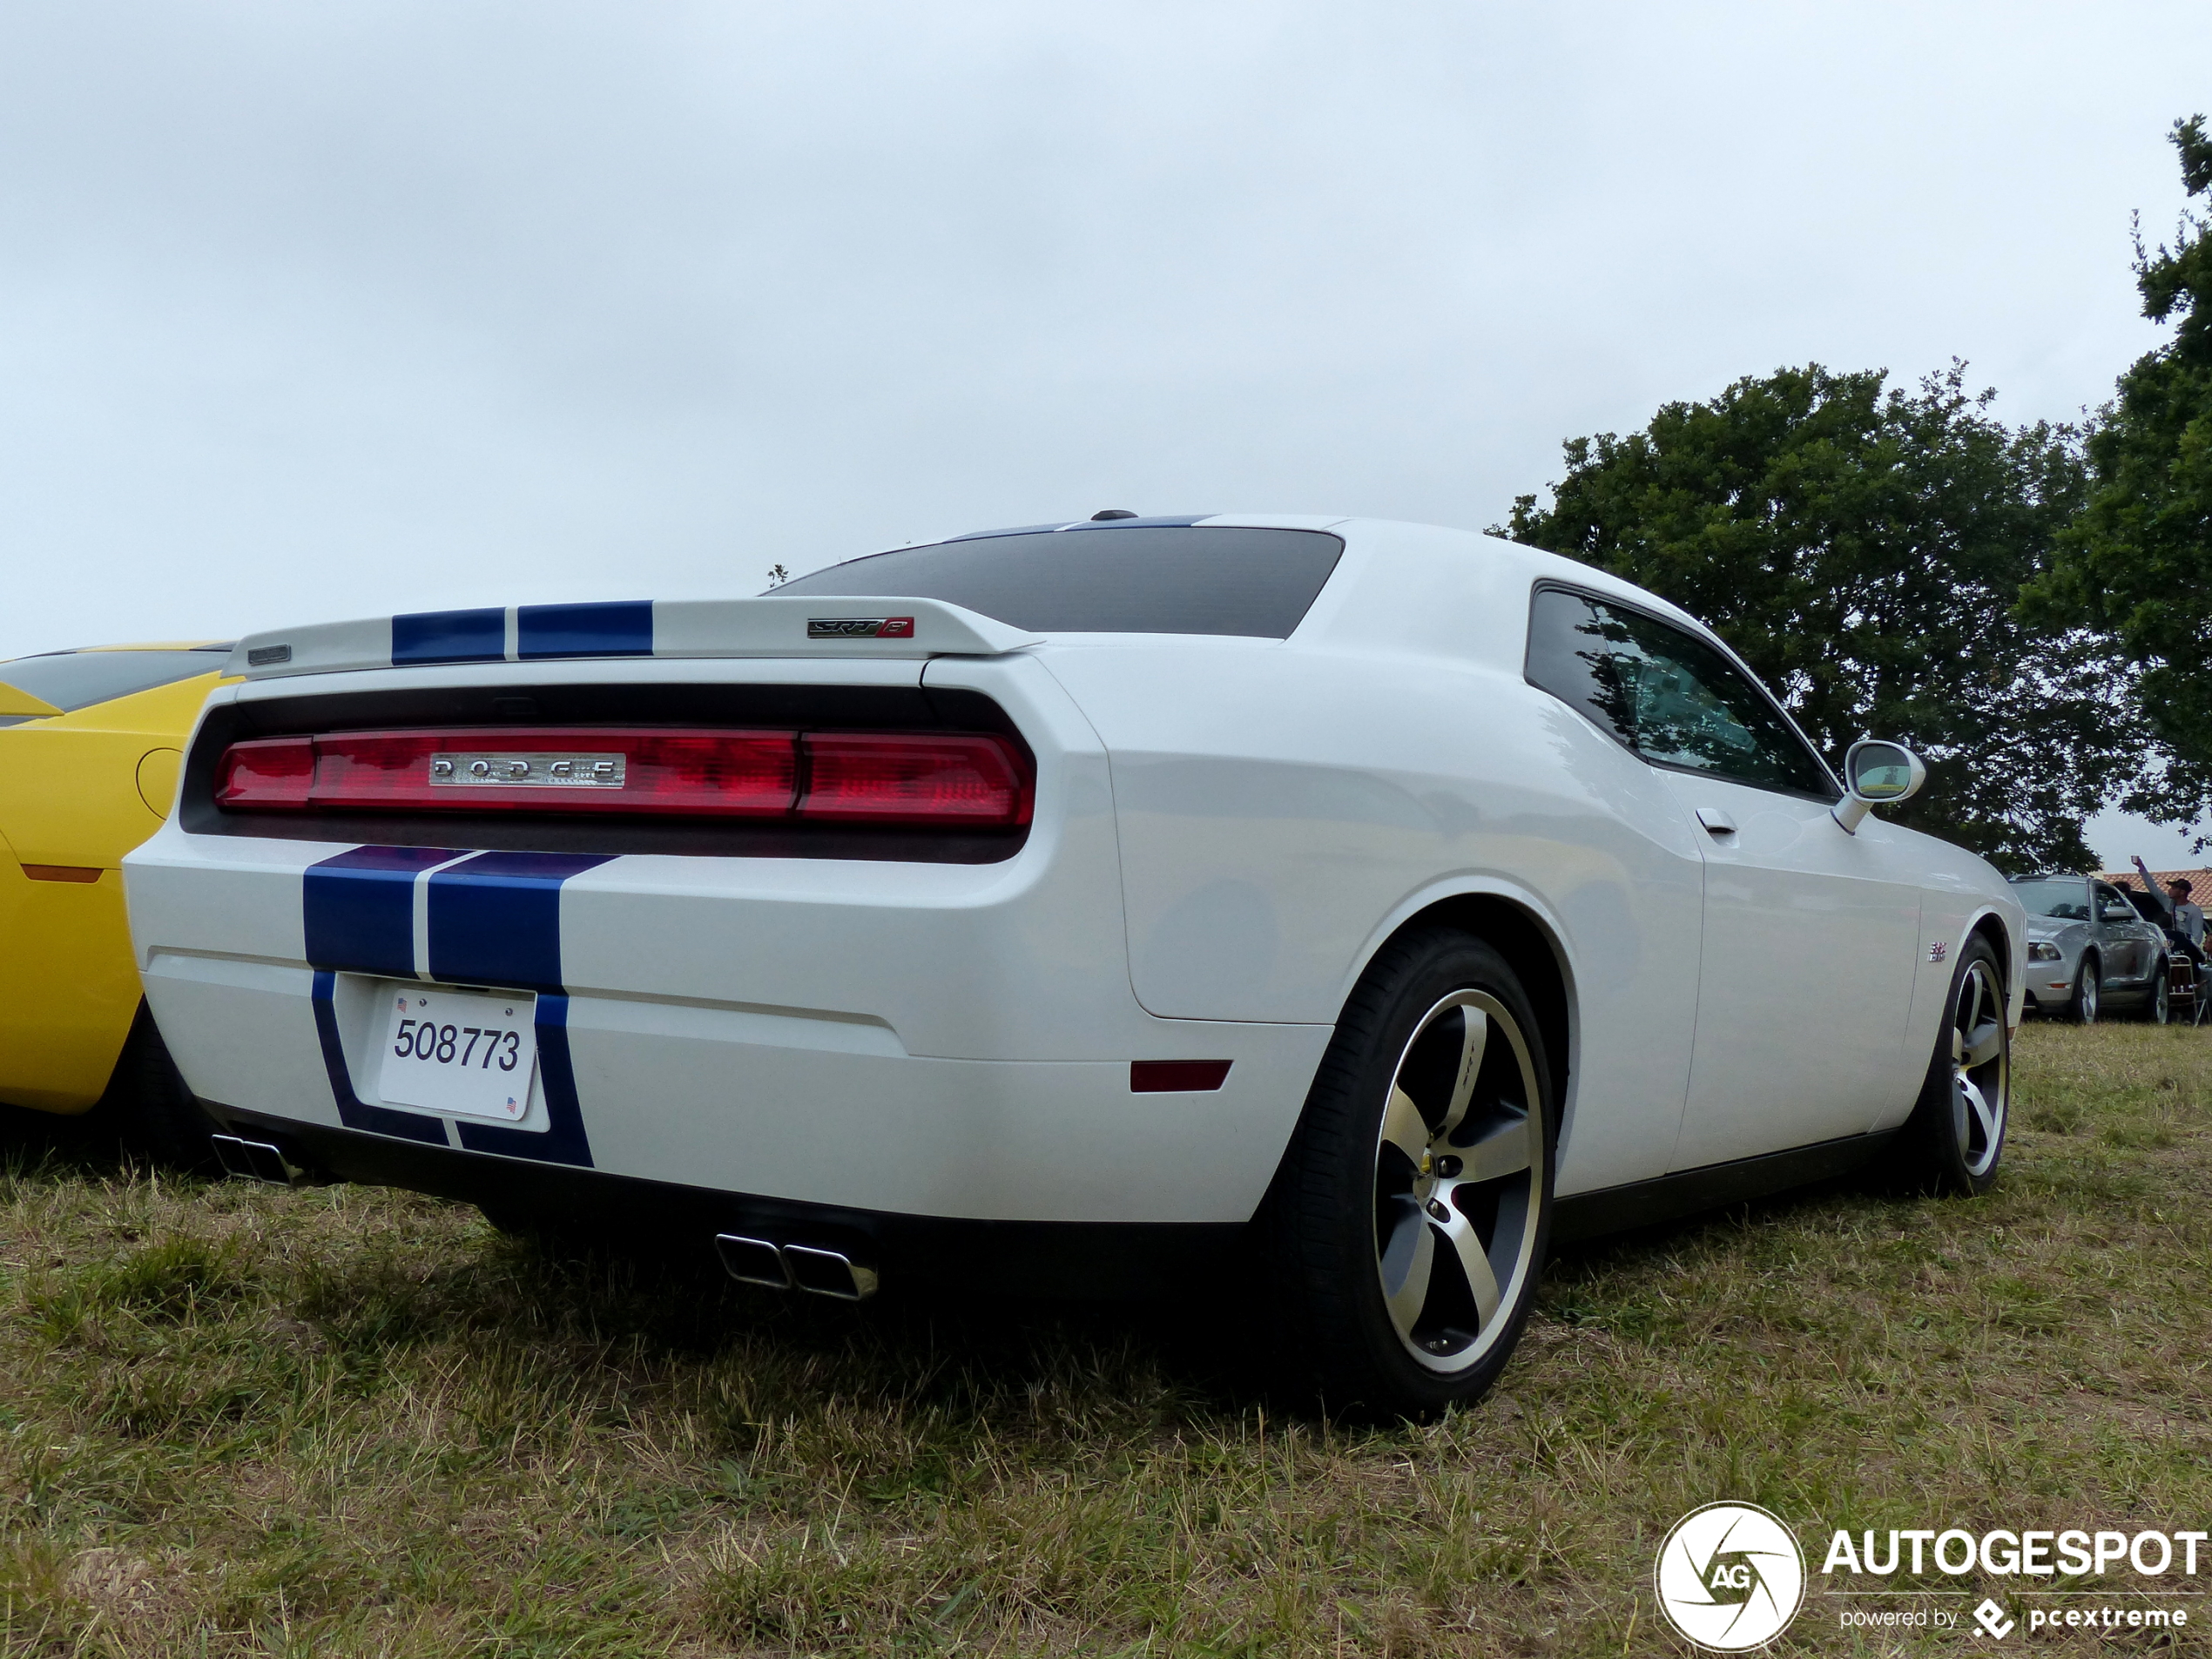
{"x": 1459, "y": 1180}
{"x": 1981, "y": 1068}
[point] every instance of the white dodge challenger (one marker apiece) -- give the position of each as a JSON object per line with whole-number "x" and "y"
{"x": 1079, "y": 906}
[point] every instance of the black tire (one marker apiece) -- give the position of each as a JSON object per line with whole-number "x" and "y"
{"x": 2158, "y": 1005}
{"x": 1955, "y": 1139}
{"x": 2088, "y": 982}
{"x": 150, "y": 1110}
{"x": 1351, "y": 1206}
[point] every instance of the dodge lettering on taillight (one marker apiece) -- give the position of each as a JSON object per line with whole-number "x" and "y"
{"x": 529, "y": 770}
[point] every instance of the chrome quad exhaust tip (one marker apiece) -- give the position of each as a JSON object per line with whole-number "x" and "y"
{"x": 829, "y": 1272}
{"x": 752, "y": 1261}
{"x": 256, "y": 1161}
{"x": 802, "y": 1267}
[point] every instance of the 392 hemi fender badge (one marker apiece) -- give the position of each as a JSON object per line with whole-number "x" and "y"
{"x": 1938, "y": 950}
{"x": 539, "y": 771}
{"x": 859, "y": 627}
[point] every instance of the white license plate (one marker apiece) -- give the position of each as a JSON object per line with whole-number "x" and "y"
{"x": 469, "y": 1053}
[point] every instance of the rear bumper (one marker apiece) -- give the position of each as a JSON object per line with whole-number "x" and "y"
{"x": 1043, "y": 1259}
{"x": 778, "y": 1106}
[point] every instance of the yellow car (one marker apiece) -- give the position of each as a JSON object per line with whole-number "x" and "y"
{"x": 90, "y": 744}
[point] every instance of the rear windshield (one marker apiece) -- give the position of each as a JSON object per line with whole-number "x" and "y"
{"x": 2061, "y": 899}
{"x": 1182, "y": 579}
{"x": 77, "y": 679}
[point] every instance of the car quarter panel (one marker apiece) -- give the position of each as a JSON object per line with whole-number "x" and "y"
{"x": 1280, "y": 803}
{"x": 73, "y": 800}
{"x": 70, "y": 787}
{"x": 68, "y": 990}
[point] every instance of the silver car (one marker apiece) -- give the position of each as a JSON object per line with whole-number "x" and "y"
{"x": 2088, "y": 950}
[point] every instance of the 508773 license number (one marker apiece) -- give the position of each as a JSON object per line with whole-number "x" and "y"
{"x": 469, "y": 1053}
{"x": 427, "y": 1040}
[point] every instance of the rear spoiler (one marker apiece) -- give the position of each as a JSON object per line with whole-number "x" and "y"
{"x": 810, "y": 625}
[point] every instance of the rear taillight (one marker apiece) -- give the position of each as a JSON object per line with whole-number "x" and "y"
{"x": 905, "y": 776}
{"x": 268, "y": 772}
{"x": 950, "y": 779}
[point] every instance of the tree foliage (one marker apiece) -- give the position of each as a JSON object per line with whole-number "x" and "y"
{"x": 1864, "y": 547}
{"x": 2138, "y": 561}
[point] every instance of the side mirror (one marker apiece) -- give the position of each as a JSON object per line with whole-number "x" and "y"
{"x": 1876, "y": 774}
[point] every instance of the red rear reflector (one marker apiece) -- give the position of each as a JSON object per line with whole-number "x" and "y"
{"x": 1177, "y": 1076}
{"x": 915, "y": 777}
{"x": 948, "y": 779}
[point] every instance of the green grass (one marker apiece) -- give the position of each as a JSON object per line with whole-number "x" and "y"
{"x": 240, "y": 1421}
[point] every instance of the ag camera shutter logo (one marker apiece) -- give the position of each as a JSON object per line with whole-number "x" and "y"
{"x": 1730, "y": 1577}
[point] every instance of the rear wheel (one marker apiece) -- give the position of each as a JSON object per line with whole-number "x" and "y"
{"x": 1407, "y": 1224}
{"x": 149, "y": 1108}
{"x": 1956, "y": 1134}
{"x": 2158, "y": 1000}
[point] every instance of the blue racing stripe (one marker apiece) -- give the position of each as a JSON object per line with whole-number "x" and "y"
{"x": 359, "y": 908}
{"x": 562, "y": 1139}
{"x": 496, "y": 919}
{"x": 451, "y": 636}
{"x": 616, "y": 628}
{"x": 353, "y": 1111}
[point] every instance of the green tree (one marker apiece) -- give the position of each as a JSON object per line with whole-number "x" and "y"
{"x": 2138, "y": 561}
{"x": 1864, "y": 548}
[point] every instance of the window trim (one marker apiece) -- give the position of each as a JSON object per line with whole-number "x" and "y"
{"x": 1553, "y": 584}
{"x": 2100, "y": 891}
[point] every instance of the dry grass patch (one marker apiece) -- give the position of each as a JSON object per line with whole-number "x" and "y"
{"x": 236, "y": 1421}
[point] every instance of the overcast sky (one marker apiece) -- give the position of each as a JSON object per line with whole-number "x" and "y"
{"x": 338, "y": 309}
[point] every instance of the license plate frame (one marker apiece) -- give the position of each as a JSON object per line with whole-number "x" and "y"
{"x": 479, "y": 1059}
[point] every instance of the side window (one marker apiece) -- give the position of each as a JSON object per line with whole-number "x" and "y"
{"x": 2112, "y": 905}
{"x": 1666, "y": 694}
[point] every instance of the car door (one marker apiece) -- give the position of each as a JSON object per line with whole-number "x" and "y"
{"x": 2122, "y": 936}
{"x": 2148, "y": 938}
{"x": 1811, "y": 934}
